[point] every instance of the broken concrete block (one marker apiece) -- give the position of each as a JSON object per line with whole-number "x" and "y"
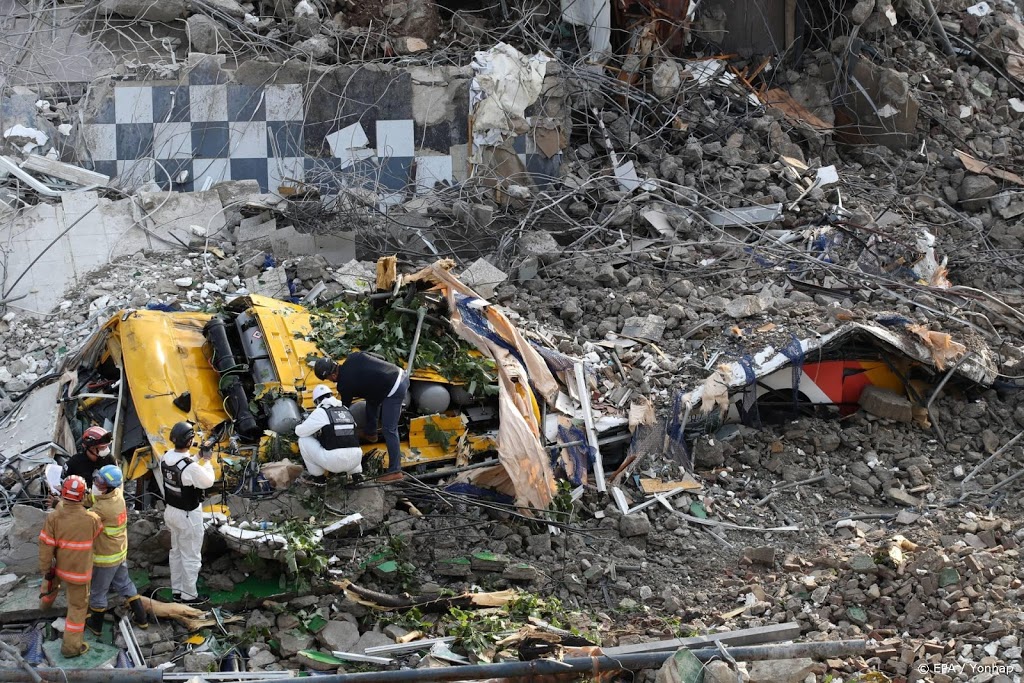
{"x": 457, "y": 567}
{"x": 485, "y": 561}
{"x": 541, "y": 245}
{"x": 748, "y": 305}
{"x": 635, "y": 524}
{"x": 272, "y": 282}
{"x": 780, "y": 670}
{"x": 520, "y": 572}
{"x": 294, "y": 640}
{"x": 356, "y": 276}
{"x": 886, "y": 403}
{"x": 371, "y": 639}
{"x": 339, "y": 635}
{"x": 977, "y": 187}
{"x": 206, "y": 35}
{"x": 259, "y": 227}
{"x": 900, "y": 496}
{"x": 649, "y": 327}
{"x": 288, "y": 242}
{"x": 407, "y": 45}
{"x": 483, "y": 277}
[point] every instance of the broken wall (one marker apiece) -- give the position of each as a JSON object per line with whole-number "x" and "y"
{"x": 393, "y": 131}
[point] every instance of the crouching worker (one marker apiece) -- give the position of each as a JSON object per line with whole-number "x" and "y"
{"x": 110, "y": 551}
{"x": 327, "y": 438}
{"x": 65, "y": 556}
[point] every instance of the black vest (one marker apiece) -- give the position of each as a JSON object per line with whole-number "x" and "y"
{"x": 340, "y": 432}
{"x": 176, "y": 495}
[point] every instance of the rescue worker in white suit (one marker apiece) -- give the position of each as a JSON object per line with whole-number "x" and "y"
{"x": 184, "y": 479}
{"x": 327, "y": 438}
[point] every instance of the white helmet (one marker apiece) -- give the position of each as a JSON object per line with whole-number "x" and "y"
{"x": 320, "y": 392}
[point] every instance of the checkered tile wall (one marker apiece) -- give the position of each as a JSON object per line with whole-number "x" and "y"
{"x": 182, "y": 135}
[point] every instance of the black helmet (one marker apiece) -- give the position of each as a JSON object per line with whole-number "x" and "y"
{"x": 324, "y": 368}
{"x": 182, "y": 434}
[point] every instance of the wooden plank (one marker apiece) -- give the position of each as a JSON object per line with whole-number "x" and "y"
{"x": 774, "y": 633}
{"x": 588, "y": 420}
{"x": 652, "y": 486}
{"x": 58, "y": 169}
{"x": 777, "y": 98}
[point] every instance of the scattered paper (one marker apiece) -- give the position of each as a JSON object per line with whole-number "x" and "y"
{"x": 982, "y": 9}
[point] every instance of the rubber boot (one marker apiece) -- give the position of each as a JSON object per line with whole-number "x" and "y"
{"x": 94, "y": 622}
{"x": 139, "y": 617}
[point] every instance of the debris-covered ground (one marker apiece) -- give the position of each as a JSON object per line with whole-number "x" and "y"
{"x": 744, "y": 307}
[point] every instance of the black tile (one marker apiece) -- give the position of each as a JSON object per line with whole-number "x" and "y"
{"x": 519, "y": 144}
{"x": 325, "y": 174}
{"x": 210, "y": 139}
{"x": 107, "y": 168}
{"x": 355, "y": 95}
{"x": 437, "y": 137}
{"x": 396, "y": 172}
{"x": 170, "y": 104}
{"x": 167, "y": 172}
{"x": 250, "y": 169}
{"x": 245, "y": 103}
{"x": 104, "y": 110}
{"x": 207, "y": 72}
{"x": 134, "y": 140}
{"x": 284, "y": 139}
{"x": 543, "y": 171}
{"x": 365, "y": 174}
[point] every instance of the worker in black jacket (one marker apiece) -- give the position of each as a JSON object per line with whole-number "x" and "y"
{"x": 95, "y": 454}
{"x": 383, "y": 386}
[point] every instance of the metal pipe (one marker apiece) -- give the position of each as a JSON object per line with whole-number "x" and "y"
{"x": 421, "y": 313}
{"x": 85, "y": 675}
{"x": 635, "y": 662}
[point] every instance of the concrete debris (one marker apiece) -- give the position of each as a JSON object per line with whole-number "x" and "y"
{"x": 749, "y": 316}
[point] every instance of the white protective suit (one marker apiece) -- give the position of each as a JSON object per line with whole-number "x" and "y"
{"x": 186, "y": 527}
{"x": 318, "y": 459}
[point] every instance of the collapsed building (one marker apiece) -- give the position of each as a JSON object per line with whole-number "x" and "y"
{"x": 669, "y": 275}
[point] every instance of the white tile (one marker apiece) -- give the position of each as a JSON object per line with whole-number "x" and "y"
{"x": 208, "y": 103}
{"x": 284, "y": 102}
{"x": 172, "y": 140}
{"x": 133, "y": 104}
{"x": 349, "y": 138}
{"x": 395, "y": 138}
{"x": 214, "y": 169}
{"x": 351, "y": 156}
{"x": 248, "y": 139}
{"x": 289, "y": 171}
{"x": 132, "y": 174}
{"x": 101, "y": 141}
{"x": 432, "y": 170}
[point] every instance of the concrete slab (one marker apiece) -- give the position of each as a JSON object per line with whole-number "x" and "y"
{"x": 22, "y": 604}
{"x": 338, "y": 249}
{"x": 271, "y": 282}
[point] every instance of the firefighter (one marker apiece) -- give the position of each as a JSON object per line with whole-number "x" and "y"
{"x": 95, "y": 454}
{"x": 65, "y": 556}
{"x": 327, "y": 438}
{"x": 185, "y": 479}
{"x": 110, "y": 551}
{"x": 384, "y": 386}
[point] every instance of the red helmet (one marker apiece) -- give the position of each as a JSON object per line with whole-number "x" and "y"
{"x": 95, "y": 436}
{"x": 73, "y": 489}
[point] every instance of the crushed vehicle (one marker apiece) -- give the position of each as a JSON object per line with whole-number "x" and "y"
{"x": 243, "y": 375}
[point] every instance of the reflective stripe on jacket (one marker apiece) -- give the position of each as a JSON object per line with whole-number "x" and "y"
{"x": 111, "y": 546}
{"x": 68, "y": 534}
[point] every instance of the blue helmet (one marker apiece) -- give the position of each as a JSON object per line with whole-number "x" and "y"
{"x": 109, "y": 475}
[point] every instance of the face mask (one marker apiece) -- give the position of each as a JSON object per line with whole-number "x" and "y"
{"x": 104, "y": 452}
{"x": 96, "y": 491}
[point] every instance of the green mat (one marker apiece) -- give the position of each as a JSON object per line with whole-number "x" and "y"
{"x": 98, "y": 656}
{"x": 252, "y": 587}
